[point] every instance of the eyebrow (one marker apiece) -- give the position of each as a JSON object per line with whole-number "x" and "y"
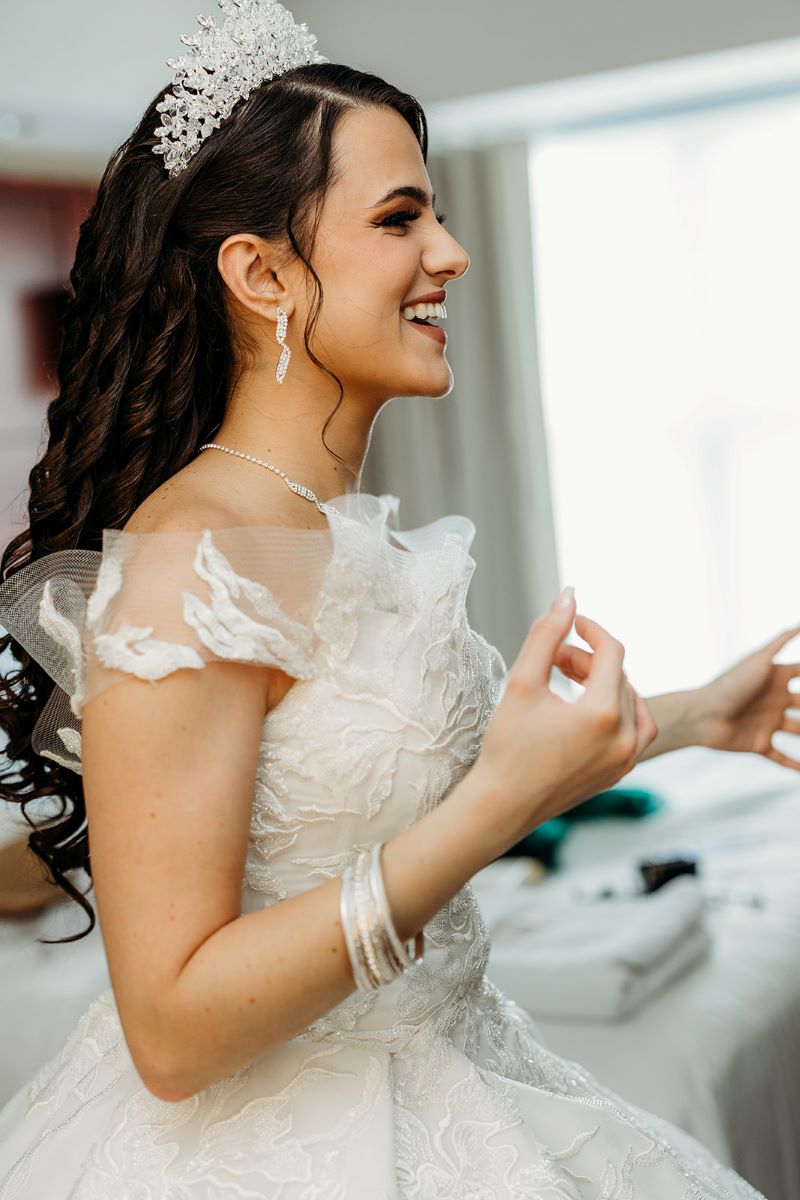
{"x": 411, "y": 192}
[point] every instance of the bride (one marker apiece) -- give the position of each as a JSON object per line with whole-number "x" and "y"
{"x": 261, "y": 703}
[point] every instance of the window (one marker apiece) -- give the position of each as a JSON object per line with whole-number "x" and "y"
{"x": 667, "y": 267}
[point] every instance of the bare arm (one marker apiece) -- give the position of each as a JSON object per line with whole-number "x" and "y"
{"x": 201, "y": 989}
{"x": 168, "y": 774}
{"x": 677, "y": 718}
{"x": 252, "y": 1001}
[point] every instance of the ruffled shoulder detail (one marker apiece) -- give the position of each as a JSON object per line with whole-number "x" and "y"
{"x": 150, "y": 604}
{"x": 164, "y": 601}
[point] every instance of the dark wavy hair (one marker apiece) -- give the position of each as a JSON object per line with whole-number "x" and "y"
{"x": 149, "y": 358}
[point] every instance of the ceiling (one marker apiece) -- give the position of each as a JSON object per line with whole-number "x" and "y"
{"x": 74, "y": 77}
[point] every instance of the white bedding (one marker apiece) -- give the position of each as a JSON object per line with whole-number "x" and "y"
{"x": 718, "y": 1051}
{"x": 595, "y": 960}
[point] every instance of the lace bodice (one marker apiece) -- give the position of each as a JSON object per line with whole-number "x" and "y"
{"x": 393, "y": 686}
{"x": 435, "y": 1086}
{"x": 360, "y": 604}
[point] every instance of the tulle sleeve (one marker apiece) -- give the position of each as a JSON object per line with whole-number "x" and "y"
{"x": 150, "y": 604}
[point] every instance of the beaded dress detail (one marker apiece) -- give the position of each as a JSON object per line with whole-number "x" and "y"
{"x": 435, "y": 1087}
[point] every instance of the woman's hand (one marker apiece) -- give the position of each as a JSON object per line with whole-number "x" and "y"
{"x": 541, "y": 755}
{"x": 575, "y": 663}
{"x": 742, "y": 708}
{"x": 738, "y": 710}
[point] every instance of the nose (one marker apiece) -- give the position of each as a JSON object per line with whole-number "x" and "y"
{"x": 443, "y": 255}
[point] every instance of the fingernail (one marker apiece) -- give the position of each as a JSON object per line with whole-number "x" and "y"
{"x": 564, "y": 599}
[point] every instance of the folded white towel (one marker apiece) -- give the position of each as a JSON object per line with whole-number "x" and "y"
{"x": 566, "y": 958}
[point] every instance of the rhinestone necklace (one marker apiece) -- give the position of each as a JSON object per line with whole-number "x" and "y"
{"x": 296, "y": 487}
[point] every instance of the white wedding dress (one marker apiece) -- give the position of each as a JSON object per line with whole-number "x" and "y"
{"x": 436, "y": 1087}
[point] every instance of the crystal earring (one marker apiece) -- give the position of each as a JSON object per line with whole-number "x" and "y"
{"x": 286, "y": 353}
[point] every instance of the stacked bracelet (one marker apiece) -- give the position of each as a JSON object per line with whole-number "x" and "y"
{"x": 377, "y": 955}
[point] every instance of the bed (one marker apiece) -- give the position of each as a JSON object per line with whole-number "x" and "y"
{"x": 718, "y": 1050}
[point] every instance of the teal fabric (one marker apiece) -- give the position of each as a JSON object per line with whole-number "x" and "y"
{"x": 545, "y": 841}
{"x": 618, "y": 802}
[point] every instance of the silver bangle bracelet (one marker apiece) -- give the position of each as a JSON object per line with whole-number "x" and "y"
{"x": 411, "y": 953}
{"x": 390, "y": 966}
{"x": 377, "y": 955}
{"x": 360, "y": 977}
{"x": 366, "y": 920}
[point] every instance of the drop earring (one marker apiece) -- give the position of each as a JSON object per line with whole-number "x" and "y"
{"x": 286, "y": 354}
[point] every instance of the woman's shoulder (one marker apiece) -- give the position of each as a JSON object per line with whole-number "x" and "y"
{"x": 187, "y": 580}
{"x": 181, "y": 505}
{"x": 198, "y": 498}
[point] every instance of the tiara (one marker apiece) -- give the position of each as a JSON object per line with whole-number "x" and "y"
{"x": 258, "y": 40}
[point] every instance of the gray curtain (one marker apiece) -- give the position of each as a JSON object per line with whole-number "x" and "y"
{"x": 481, "y": 450}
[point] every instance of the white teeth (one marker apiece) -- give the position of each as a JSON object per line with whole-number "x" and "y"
{"x": 426, "y": 311}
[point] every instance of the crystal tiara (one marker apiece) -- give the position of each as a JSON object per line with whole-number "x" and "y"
{"x": 258, "y": 40}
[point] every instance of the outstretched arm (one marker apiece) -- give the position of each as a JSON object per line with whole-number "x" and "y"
{"x": 739, "y": 710}
{"x": 680, "y": 720}
{"x": 743, "y": 707}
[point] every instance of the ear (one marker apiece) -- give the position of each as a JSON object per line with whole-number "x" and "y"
{"x": 249, "y": 266}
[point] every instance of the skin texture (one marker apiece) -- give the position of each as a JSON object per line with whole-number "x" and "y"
{"x": 368, "y": 273}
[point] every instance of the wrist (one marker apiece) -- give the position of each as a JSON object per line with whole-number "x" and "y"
{"x": 429, "y": 861}
{"x": 683, "y": 719}
{"x": 496, "y": 817}
{"x": 708, "y": 723}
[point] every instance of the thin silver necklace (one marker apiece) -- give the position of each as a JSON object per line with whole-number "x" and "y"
{"x": 296, "y": 487}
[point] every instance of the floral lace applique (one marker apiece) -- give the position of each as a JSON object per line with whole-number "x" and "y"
{"x": 436, "y": 1087}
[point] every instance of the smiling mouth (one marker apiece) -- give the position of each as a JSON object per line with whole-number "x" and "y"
{"x": 431, "y": 313}
{"x": 426, "y": 320}
{"x": 429, "y": 329}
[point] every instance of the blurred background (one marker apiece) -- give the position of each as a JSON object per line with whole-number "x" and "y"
{"x": 624, "y": 174}
{"x": 625, "y": 418}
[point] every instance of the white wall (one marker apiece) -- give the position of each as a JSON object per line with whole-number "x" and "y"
{"x": 78, "y": 75}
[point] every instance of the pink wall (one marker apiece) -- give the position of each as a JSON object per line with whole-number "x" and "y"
{"x": 39, "y": 225}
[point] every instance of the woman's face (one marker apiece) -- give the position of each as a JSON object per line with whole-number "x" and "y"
{"x": 373, "y": 256}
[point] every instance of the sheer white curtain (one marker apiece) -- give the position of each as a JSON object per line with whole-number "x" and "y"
{"x": 481, "y": 450}
{"x": 666, "y": 260}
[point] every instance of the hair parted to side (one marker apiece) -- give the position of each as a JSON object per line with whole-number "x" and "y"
{"x": 149, "y": 358}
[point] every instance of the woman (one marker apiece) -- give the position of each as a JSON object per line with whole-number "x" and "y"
{"x": 291, "y": 749}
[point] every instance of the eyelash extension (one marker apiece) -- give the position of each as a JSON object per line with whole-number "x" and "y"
{"x": 400, "y": 220}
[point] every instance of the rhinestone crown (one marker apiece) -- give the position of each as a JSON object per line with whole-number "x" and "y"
{"x": 258, "y": 40}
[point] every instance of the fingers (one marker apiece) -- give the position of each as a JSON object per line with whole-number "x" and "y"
{"x": 776, "y": 644}
{"x": 575, "y": 662}
{"x": 785, "y": 761}
{"x": 600, "y": 671}
{"x": 786, "y": 672}
{"x": 537, "y": 654}
{"x": 606, "y": 678}
{"x": 576, "y": 665}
